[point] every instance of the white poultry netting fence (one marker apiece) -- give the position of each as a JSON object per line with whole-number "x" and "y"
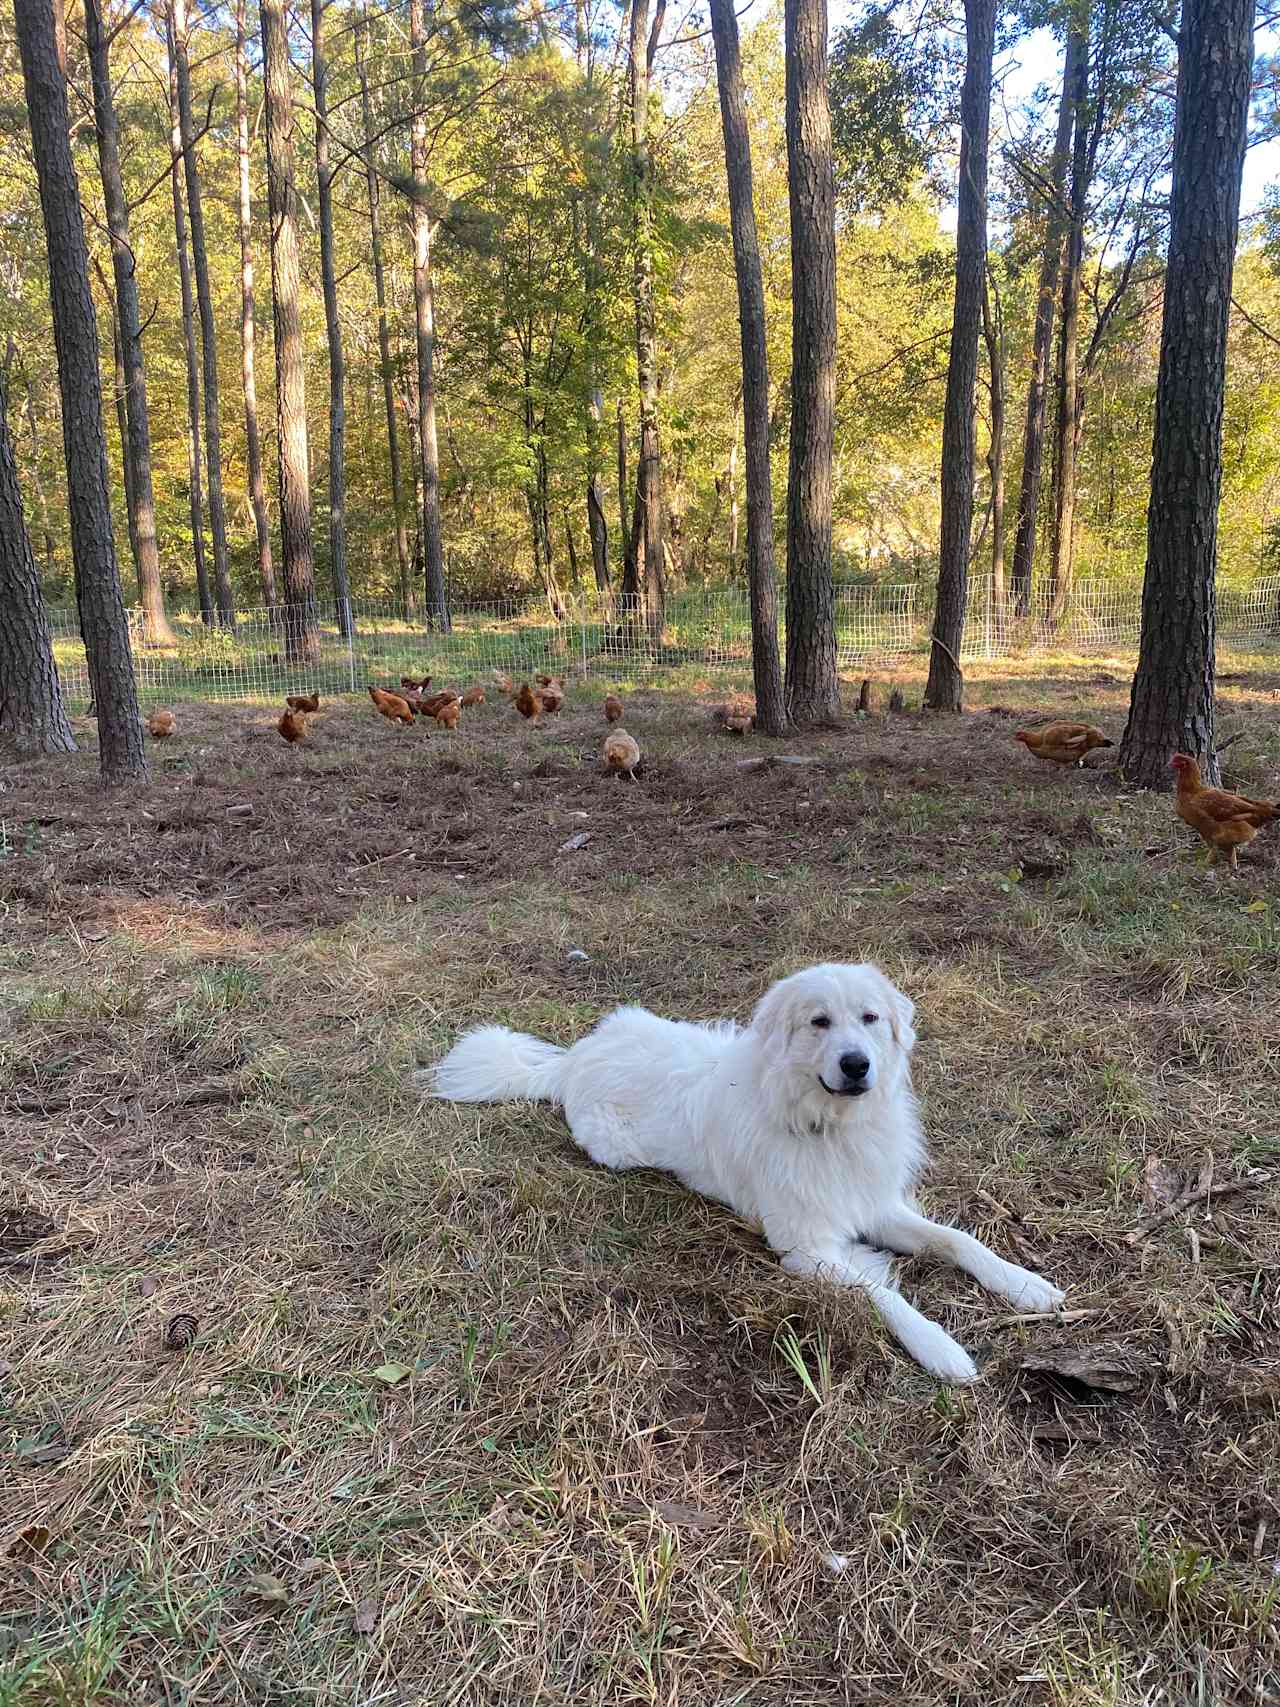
{"x": 704, "y": 631}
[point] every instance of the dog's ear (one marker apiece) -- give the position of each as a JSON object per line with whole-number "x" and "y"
{"x": 774, "y": 1016}
{"x": 902, "y": 1012}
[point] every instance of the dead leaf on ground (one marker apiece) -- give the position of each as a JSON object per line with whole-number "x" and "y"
{"x": 268, "y": 1588}
{"x": 147, "y": 1285}
{"x": 576, "y": 842}
{"x": 364, "y": 1620}
{"x": 1091, "y": 1366}
{"x": 31, "y": 1542}
{"x": 1162, "y": 1183}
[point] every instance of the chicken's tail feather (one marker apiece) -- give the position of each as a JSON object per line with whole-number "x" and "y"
{"x": 493, "y": 1064}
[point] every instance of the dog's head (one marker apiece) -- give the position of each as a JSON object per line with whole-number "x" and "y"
{"x": 837, "y": 1039}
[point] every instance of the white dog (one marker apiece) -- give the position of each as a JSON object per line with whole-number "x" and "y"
{"x": 804, "y": 1123}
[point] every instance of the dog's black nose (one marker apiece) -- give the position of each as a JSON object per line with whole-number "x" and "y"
{"x": 855, "y": 1067}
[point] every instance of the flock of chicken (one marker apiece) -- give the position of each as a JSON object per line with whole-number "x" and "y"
{"x": 1225, "y": 822}
{"x": 621, "y": 752}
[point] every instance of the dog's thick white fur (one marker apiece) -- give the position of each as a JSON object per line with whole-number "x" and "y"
{"x": 803, "y": 1122}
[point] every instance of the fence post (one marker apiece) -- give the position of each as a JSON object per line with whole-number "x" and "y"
{"x": 582, "y": 630}
{"x": 351, "y": 646}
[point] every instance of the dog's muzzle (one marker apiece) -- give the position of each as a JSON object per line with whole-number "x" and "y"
{"x": 854, "y": 1072}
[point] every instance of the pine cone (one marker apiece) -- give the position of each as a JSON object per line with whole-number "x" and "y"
{"x": 181, "y": 1332}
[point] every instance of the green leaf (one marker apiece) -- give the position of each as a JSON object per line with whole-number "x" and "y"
{"x": 392, "y": 1374}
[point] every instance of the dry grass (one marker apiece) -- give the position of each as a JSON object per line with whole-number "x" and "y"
{"x": 468, "y": 1420}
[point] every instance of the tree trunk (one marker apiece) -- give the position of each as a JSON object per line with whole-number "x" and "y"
{"x": 771, "y": 713}
{"x": 945, "y": 686}
{"x": 425, "y": 323}
{"x": 1024, "y": 548}
{"x": 1062, "y": 547}
{"x": 195, "y": 458}
{"x": 597, "y": 523}
{"x": 575, "y": 574}
{"x": 32, "y": 716}
{"x": 1172, "y": 703}
{"x": 333, "y": 328}
{"x": 646, "y": 542}
{"x": 732, "y": 477}
{"x": 630, "y": 574}
{"x": 813, "y": 688}
{"x": 103, "y": 623}
{"x": 122, "y": 417}
{"x": 136, "y": 442}
{"x": 404, "y": 561}
{"x": 208, "y": 331}
{"x": 302, "y": 640}
{"x": 248, "y": 336}
{"x": 42, "y": 502}
{"x": 993, "y": 332}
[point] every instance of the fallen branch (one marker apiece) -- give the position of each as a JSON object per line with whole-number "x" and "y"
{"x": 1229, "y": 742}
{"x": 1200, "y": 1192}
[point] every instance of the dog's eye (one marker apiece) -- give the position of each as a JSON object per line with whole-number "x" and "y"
{"x": 870, "y": 1019}
{"x": 822, "y": 1022}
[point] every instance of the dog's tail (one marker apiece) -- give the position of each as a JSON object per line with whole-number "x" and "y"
{"x": 492, "y": 1064}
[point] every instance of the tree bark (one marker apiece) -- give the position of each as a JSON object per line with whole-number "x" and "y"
{"x": 646, "y": 541}
{"x": 32, "y": 716}
{"x": 1062, "y": 545}
{"x": 136, "y": 442}
{"x": 1171, "y": 708}
{"x": 248, "y": 333}
{"x": 994, "y": 334}
{"x": 103, "y": 623}
{"x": 195, "y": 456}
{"x": 208, "y": 331}
{"x": 404, "y": 561}
{"x": 332, "y": 326}
{"x": 945, "y": 686}
{"x": 302, "y": 640}
{"x": 1024, "y": 548}
{"x": 812, "y": 686}
{"x": 425, "y": 325}
{"x": 771, "y": 712}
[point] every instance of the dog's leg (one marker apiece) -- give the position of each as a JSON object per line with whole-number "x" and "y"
{"x": 846, "y": 1263}
{"x": 911, "y": 1234}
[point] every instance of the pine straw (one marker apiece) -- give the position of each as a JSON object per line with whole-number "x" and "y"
{"x": 628, "y": 1460}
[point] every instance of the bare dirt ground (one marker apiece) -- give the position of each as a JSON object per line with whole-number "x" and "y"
{"x": 466, "y": 1419}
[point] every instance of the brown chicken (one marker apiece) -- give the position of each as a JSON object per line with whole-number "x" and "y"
{"x": 738, "y": 715}
{"x": 505, "y": 686}
{"x": 527, "y": 703}
{"x": 473, "y": 696}
{"x": 1062, "y": 743}
{"x": 448, "y": 714}
{"x": 416, "y": 685}
{"x": 303, "y": 701}
{"x": 1226, "y": 822}
{"x": 551, "y": 697}
{"x": 161, "y": 723}
{"x": 391, "y": 706}
{"x": 292, "y": 726}
{"x": 430, "y": 706}
{"x": 612, "y": 709}
{"x": 621, "y": 752}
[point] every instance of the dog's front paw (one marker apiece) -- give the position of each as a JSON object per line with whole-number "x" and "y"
{"x": 936, "y": 1351}
{"x": 1027, "y": 1291}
